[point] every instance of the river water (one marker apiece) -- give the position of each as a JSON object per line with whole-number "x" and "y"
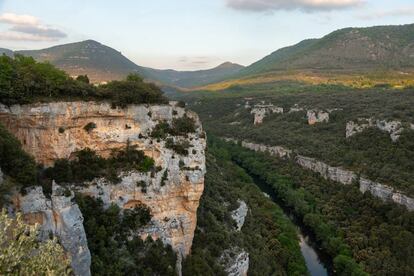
{"x": 318, "y": 263}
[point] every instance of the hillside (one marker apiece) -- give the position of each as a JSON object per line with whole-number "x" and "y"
{"x": 384, "y": 47}
{"x": 102, "y": 63}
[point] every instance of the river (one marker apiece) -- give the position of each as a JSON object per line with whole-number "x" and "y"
{"x": 318, "y": 263}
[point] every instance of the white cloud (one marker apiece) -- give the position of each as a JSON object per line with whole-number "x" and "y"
{"x": 28, "y": 28}
{"x": 306, "y": 5}
{"x": 16, "y": 19}
{"x": 408, "y": 11}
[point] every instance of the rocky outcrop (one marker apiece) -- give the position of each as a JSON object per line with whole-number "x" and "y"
{"x": 394, "y": 128}
{"x": 51, "y": 131}
{"x": 336, "y": 174}
{"x": 57, "y": 130}
{"x": 235, "y": 262}
{"x": 317, "y": 116}
{"x": 295, "y": 108}
{"x": 260, "y": 111}
{"x": 272, "y": 150}
{"x": 239, "y": 215}
{"x": 61, "y": 217}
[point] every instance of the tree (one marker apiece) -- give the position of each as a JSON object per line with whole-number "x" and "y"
{"x": 83, "y": 78}
{"x": 22, "y": 254}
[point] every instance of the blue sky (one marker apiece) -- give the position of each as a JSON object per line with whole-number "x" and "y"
{"x": 189, "y": 34}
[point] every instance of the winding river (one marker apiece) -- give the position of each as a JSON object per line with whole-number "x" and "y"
{"x": 318, "y": 263}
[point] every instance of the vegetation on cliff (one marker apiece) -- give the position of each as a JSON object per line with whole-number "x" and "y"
{"x": 88, "y": 165}
{"x": 358, "y": 230}
{"x": 23, "y": 81}
{"x": 21, "y": 253}
{"x": 115, "y": 249}
{"x": 371, "y": 153}
{"x": 15, "y": 162}
{"x": 267, "y": 234}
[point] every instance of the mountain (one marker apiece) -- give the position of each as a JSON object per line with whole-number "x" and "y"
{"x": 194, "y": 78}
{"x": 5, "y": 51}
{"x": 103, "y": 63}
{"x": 382, "y": 47}
{"x": 99, "y": 62}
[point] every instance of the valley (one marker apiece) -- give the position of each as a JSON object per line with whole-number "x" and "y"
{"x": 301, "y": 163}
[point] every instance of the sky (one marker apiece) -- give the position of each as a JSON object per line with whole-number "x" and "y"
{"x": 189, "y": 34}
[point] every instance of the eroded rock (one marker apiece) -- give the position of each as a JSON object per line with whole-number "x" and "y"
{"x": 239, "y": 215}
{"x": 260, "y": 111}
{"x": 52, "y": 131}
{"x": 317, "y": 116}
{"x": 235, "y": 262}
{"x": 394, "y": 128}
{"x": 61, "y": 217}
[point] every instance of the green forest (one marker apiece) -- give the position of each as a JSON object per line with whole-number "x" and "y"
{"x": 360, "y": 232}
{"x": 24, "y": 80}
{"x": 267, "y": 234}
{"x": 371, "y": 153}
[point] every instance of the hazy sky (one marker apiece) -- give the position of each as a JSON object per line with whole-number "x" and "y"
{"x": 189, "y": 34}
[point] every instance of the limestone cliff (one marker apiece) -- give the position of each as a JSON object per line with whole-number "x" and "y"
{"x": 58, "y": 216}
{"x": 336, "y": 174}
{"x": 57, "y": 130}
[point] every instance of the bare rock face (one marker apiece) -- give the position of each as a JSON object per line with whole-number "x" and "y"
{"x": 235, "y": 262}
{"x": 260, "y": 111}
{"x": 239, "y": 215}
{"x": 61, "y": 217}
{"x": 317, "y": 116}
{"x": 272, "y": 150}
{"x": 57, "y": 130}
{"x": 394, "y": 128}
{"x": 336, "y": 174}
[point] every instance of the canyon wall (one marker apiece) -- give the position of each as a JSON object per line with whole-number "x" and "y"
{"x": 58, "y": 216}
{"x": 336, "y": 174}
{"x": 51, "y": 131}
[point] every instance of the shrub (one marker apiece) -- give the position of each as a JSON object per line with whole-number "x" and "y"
{"x": 22, "y": 254}
{"x": 183, "y": 126}
{"x": 89, "y": 127}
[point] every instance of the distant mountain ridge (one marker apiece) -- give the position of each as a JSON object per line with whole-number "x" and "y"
{"x": 381, "y": 47}
{"x": 102, "y": 63}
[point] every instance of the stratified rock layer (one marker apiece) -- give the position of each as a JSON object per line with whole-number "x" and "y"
{"x": 57, "y": 130}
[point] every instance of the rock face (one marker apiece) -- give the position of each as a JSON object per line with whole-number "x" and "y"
{"x": 336, "y": 174}
{"x": 275, "y": 151}
{"x": 239, "y": 215}
{"x": 394, "y": 128}
{"x": 235, "y": 262}
{"x": 317, "y": 116}
{"x": 61, "y": 217}
{"x": 57, "y": 130}
{"x": 330, "y": 173}
{"x": 260, "y": 111}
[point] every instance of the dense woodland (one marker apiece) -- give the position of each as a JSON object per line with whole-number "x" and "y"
{"x": 359, "y": 231}
{"x": 23, "y": 80}
{"x": 113, "y": 250}
{"x": 267, "y": 234}
{"x": 370, "y": 153}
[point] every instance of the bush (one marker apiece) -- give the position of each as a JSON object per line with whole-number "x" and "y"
{"x": 183, "y": 126}
{"x": 22, "y": 254}
{"x": 89, "y": 127}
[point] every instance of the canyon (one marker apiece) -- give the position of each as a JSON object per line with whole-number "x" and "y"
{"x": 51, "y": 131}
{"x": 336, "y": 174}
